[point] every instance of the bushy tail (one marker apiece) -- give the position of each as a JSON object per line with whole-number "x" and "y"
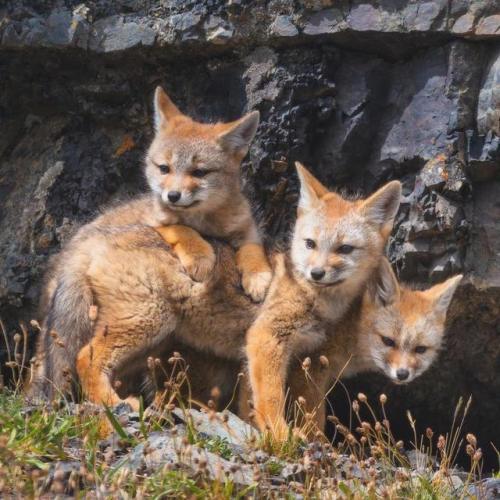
{"x": 66, "y": 328}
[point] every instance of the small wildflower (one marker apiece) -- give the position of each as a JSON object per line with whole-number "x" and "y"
{"x": 362, "y": 397}
{"x": 383, "y": 399}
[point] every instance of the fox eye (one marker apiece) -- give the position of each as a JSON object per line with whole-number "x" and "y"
{"x": 310, "y": 244}
{"x": 164, "y": 168}
{"x": 345, "y": 249}
{"x": 198, "y": 172}
{"x": 388, "y": 341}
{"x": 420, "y": 349}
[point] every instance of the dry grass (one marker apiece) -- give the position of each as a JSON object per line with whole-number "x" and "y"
{"x": 364, "y": 460}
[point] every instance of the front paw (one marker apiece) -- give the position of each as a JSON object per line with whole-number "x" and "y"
{"x": 199, "y": 267}
{"x": 256, "y": 284}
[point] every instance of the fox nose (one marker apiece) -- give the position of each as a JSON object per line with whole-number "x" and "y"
{"x": 317, "y": 273}
{"x": 174, "y": 196}
{"x": 402, "y": 374}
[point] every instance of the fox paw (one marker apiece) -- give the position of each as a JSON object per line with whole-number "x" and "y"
{"x": 256, "y": 284}
{"x": 199, "y": 267}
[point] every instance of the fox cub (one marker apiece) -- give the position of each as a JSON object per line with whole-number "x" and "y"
{"x": 336, "y": 246}
{"x": 193, "y": 171}
{"x": 394, "y": 330}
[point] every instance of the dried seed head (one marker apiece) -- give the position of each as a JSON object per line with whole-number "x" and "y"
{"x": 400, "y": 445}
{"x": 471, "y": 439}
{"x": 350, "y": 438}
{"x": 17, "y": 338}
{"x": 301, "y": 400}
{"x": 325, "y": 363}
{"x": 342, "y": 429}
{"x": 177, "y": 355}
{"x": 469, "y": 449}
{"x": 150, "y": 362}
{"x": 333, "y": 419}
{"x": 429, "y": 433}
{"x": 441, "y": 443}
{"x": 362, "y": 397}
{"x": 383, "y": 399}
{"x": 215, "y": 393}
{"x": 117, "y": 384}
{"x": 477, "y": 455}
{"x": 34, "y": 323}
{"x": 157, "y": 361}
{"x": 355, "y": 406}
{"x": 306, "y": 364}
{"x": 378, "y": 426}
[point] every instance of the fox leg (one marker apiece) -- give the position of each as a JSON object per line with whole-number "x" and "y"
{"x": 196, "y": 255}
{"x": 267, "y": 366}
{"x": 255, "y": 270}
{"x": 245, "y": 398}
{"x": 95, "y": 365}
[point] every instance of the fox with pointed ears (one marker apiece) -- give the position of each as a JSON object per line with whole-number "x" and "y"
{"x": 193, "y": 171}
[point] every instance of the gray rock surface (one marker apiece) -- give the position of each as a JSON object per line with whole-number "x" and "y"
{"x": 362, "y": 92}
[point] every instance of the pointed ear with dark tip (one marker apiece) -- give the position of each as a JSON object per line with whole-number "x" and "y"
{"x": 442, "y": 294}
{"x": 382, "y": 206}
{"x": 385, "y": 289}
{"x": 238, "y": 135}
{"x": 164, "y": 108}
{"x": 311, "y": 190}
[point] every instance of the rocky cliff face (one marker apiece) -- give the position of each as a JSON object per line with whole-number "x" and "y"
{"x": 362, "y": 92}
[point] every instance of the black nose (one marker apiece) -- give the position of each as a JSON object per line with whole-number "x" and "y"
{"x": 317, "y": 273}
{"x": 402, "y": 373}
{"x": 174, "y": 196}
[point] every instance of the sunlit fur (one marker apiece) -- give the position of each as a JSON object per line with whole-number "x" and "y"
{"x": 186, "y": 148}
{"x": 331, "y": 222}
{"x": 414, "y": 322}
{"x": 410, "y": 319}
{"x": 300, "y": 313}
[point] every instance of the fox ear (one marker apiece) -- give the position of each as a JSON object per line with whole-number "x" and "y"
{"x": 441, "y": 294}
{"x": 382, "y": 206}
{"x": 239, "y": 134}
{"x": 386, "y": 289}
{"x": 311, "y": 190}
{"x": 164, "y": 108}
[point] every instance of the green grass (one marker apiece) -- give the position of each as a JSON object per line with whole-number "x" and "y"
{"x": 32, "y": 439}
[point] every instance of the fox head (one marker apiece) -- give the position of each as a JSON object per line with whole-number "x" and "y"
{"x": 404, "y": 328}
{"x": 194, "y": 166}
{"x": 337, "y": 242}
